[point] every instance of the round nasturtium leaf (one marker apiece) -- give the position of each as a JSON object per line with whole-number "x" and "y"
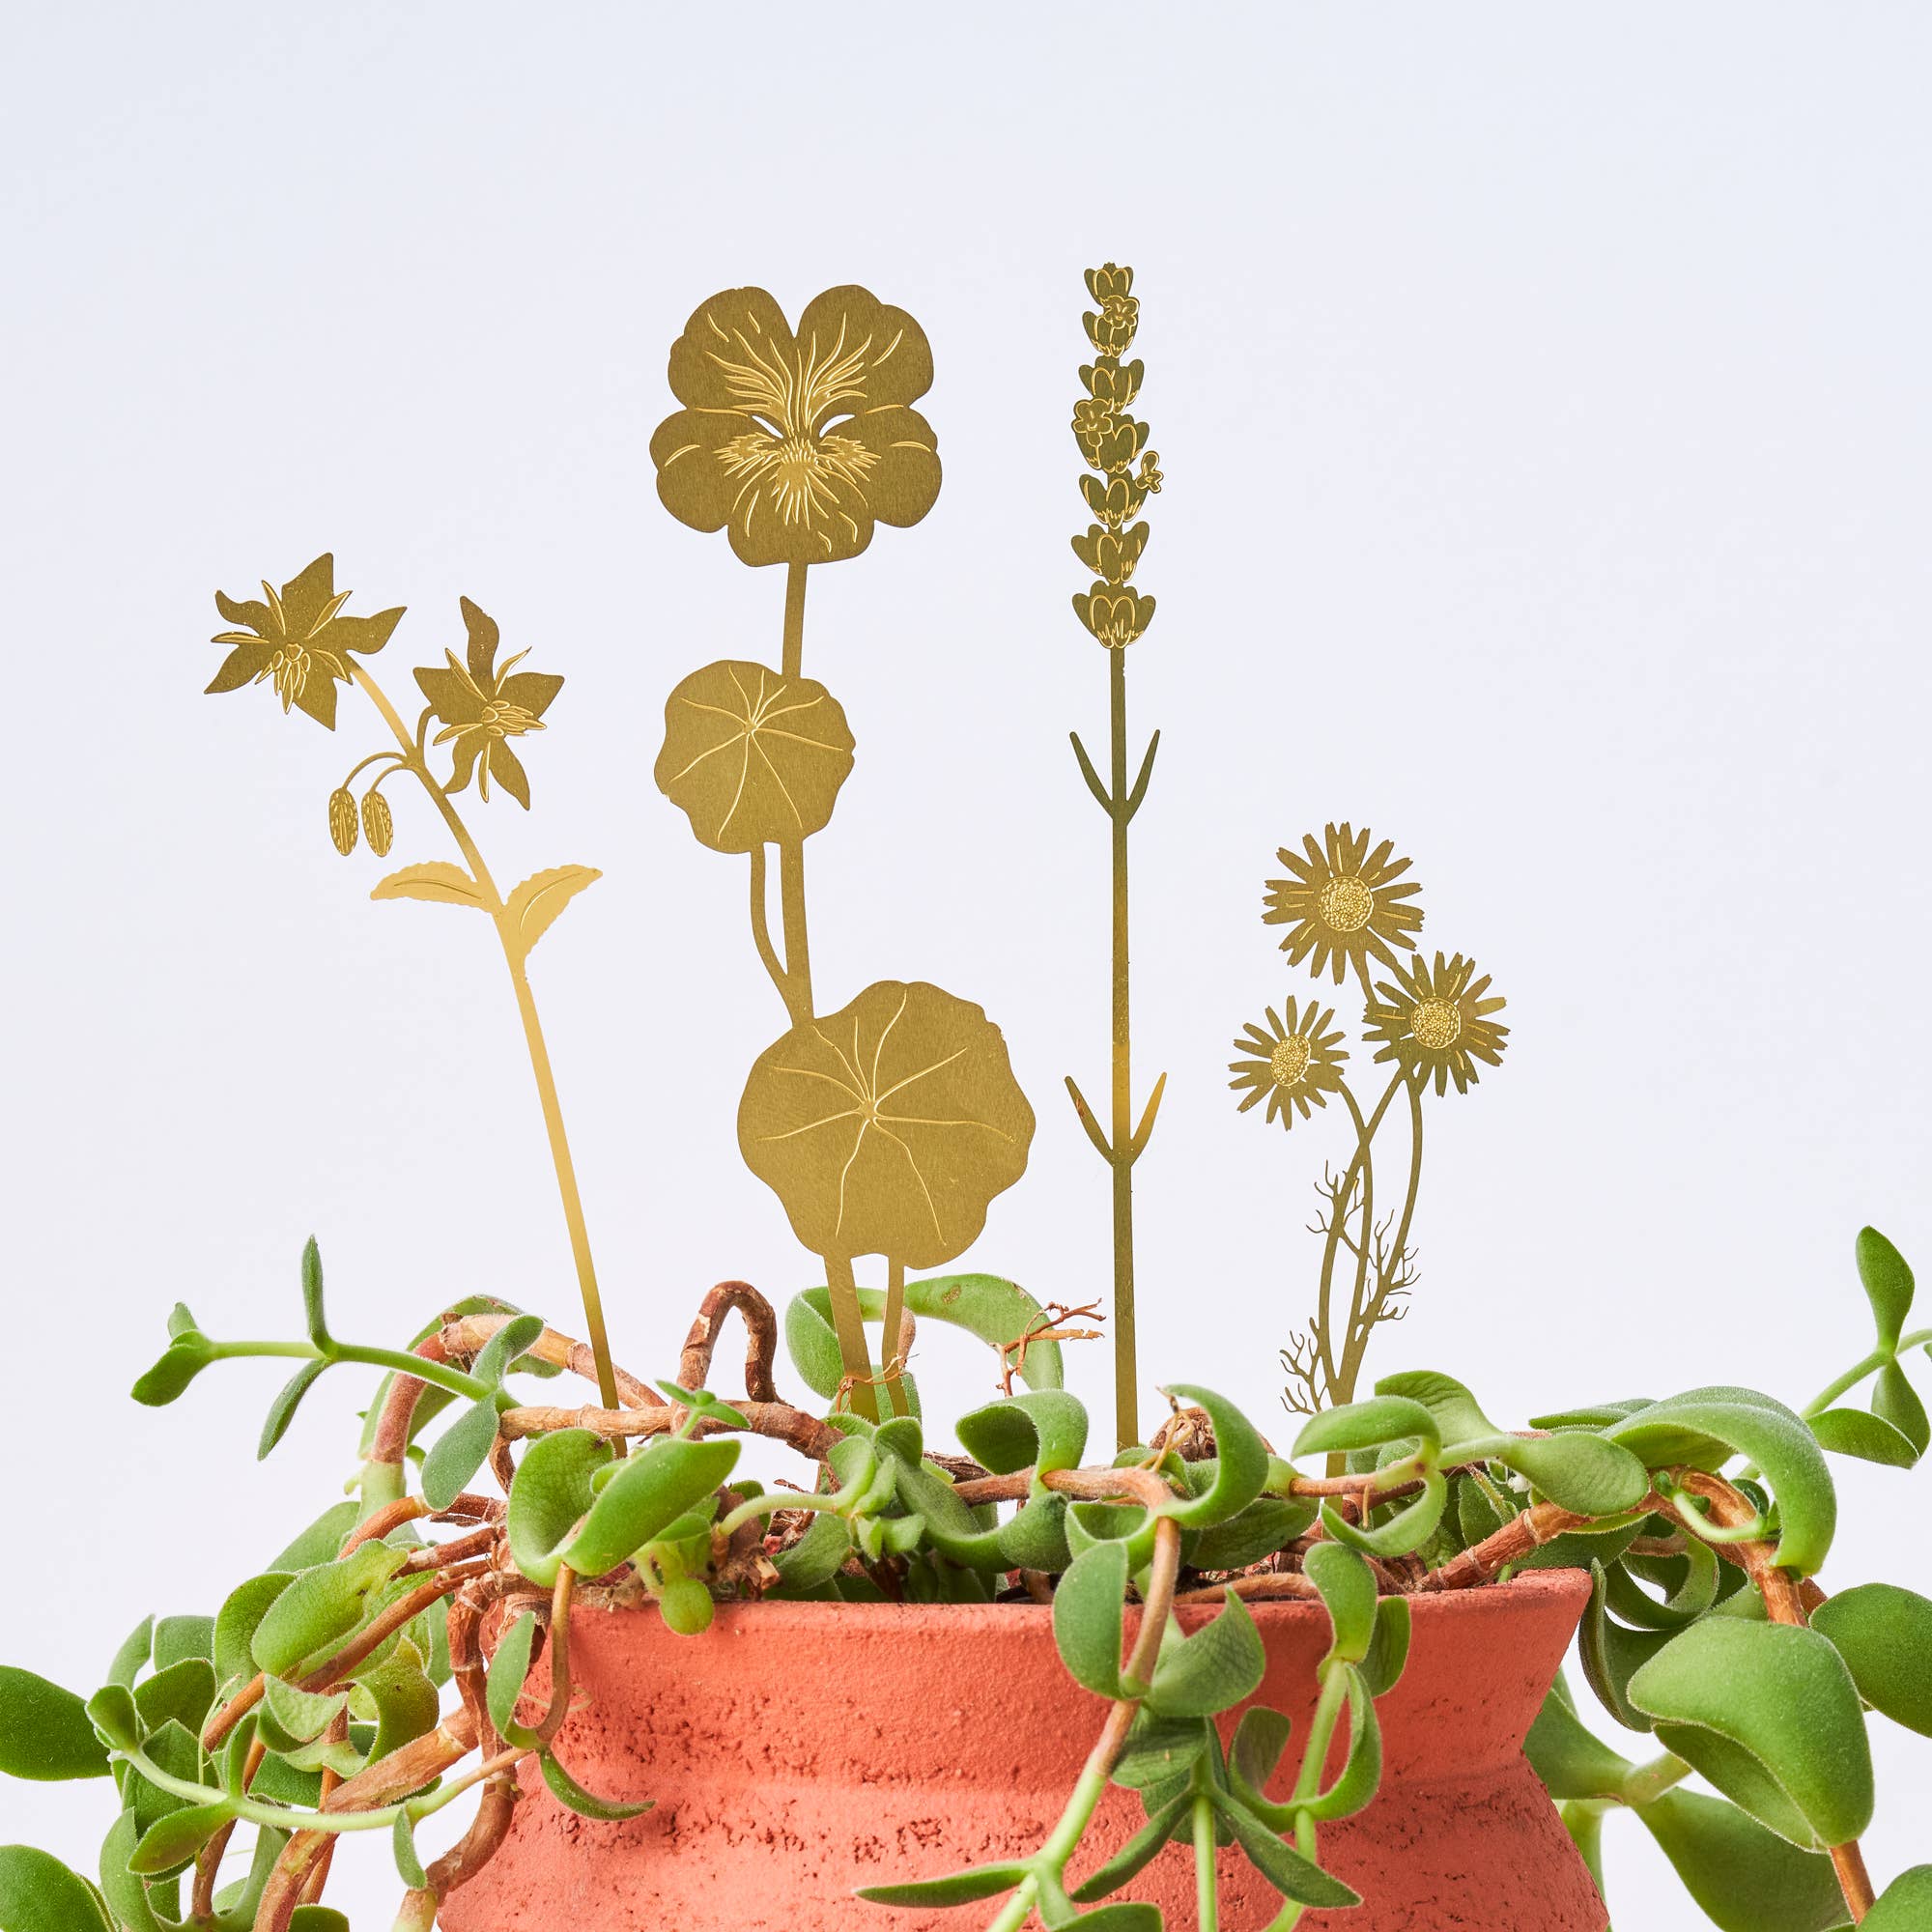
{"x": 751, "y": 757}
{"x": 888, "y": 1127}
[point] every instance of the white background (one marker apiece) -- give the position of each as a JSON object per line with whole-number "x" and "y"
{"x": 1543, "y": 396}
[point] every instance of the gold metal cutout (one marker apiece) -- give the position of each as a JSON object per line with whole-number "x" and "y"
{"x": 1123, "y": 473}
{"x": 1347, "y": 902}
{"x": 298, "y": 640}
{"x": 887, "y": 1126}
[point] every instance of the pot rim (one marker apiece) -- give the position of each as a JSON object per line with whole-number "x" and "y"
{"x": 1529, "y": 1590}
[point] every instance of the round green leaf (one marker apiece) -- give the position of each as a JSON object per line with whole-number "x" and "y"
{"x": 1871, "y": 1438}
{"x": 550, "y": 1493}
{"x": 1895, "y": 1399}
{"x": 651, "y": 1489}
{"x": 1044, "y": 1430}
{"x": 1407, "y": 1530}
{"x": 1570, "y": 1758}
{"x": 1212, "y": 1671}
{"x": 1906, "y": 1904}
{"x": 1368, "y": 1425}
{"x": 1240, "y": 1457}
{"x": 45, "y": 1733}
{"x": 1348, "y": 1590}
{"x": 1885, "y": 1634}
{"x": 1785, "y": 1698}
{"x": 38, "y": 1894}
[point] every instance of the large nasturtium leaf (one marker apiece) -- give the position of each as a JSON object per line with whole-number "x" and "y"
{"x": 888, "y": 1127}
{"x": 752, "y": 758}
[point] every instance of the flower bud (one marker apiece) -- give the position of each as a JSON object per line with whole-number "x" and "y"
{"x": 342, "y": 820}
{"x": 378, "y": 826}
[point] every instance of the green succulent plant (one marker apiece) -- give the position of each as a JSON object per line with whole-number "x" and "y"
{"x": 309, "y": 1703}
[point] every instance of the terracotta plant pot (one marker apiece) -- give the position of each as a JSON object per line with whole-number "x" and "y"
{"x": 798, "y": 1750}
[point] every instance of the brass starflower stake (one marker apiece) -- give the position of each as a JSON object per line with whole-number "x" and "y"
{"x": 298, "y": 640}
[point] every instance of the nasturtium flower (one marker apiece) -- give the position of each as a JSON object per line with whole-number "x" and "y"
{"x": 482, "y": 708}
{"x": 798, "y": 442}
{"x": 751, "y": 757}
{"x": 1436, "y": 1022}
{"x": 888, "y": 1127}
{"x": 299, "y": 640}
{"x": 1344, "y": 904}
{"x": 1293, "y": 1061}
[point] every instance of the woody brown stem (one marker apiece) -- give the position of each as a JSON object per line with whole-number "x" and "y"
{"x": 778, "y": 1420}
{"x": 762, "y": 1339}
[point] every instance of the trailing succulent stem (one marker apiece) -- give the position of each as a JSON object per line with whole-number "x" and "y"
{"x": 315, "y": 1704}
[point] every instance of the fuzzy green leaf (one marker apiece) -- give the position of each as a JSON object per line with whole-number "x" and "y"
{"x": 1348, "y": 1590}
{"x": 1135, "y": 1856}
{"x": 132, "y": 1658}
{"x": 569, "y": 1793}
{"x": 1896, "y": 1400}
{"x": 1576, "y": 1471}
{"x": 551, "y": 1495}
{"x": 508, "y": 1669}
{"x": 321, "y": 1540}
{"x": 184, "y": 1690}
{"x": 1268, "y": 1523}
{"x": 171, "y": 1843}
{"x": 1459, "y": 1416}
{"x": 1240, "y": 1458}
{"x": 1705, "y": 1428}
{"x": 282, "y": 1410}
{"x": 1905, "y": 1905}
{"x": 1570, "y": 1758}
{"x": 236, "y": 1625}
{"x": 1885, "y": 1634}
{"x": 1087, "y": 1611}
{"x": 38, "y": 1894}
{"x": 651, "y": 1489}
{"x": 1611, "y": 1655}
{"x": 961, "y": 1888}
{"x": 1159, "y": 1750}
{"x": 320, "y": 1606}
{"x": 183, "y": 1358}
{"x": 1368, "y": 1425}
{"x": 1888, "y": 1284}
{"x": 177, "y": 1638}
{"x": 1741, "y": 1877}
{"x": 1388, "y": 1650}
{"x": 1871, "y": 1438}
{"x": 45, "y": 1733}
{"x": 1280, "y": 1864}
{"x": 1780, "y": 1698}
{"x": 311, "y": 1287}
{"x": 1044, "y": 1429}
{"x": 403, "y": 1849}
{"x": 1260, "y": 1739}
{"x": 1360, "y": 1778}
{"x": 1213, "y": 1670}
{"x": 459, "y": 1452}
{"x": 1407, "y": 1531}
{"x": 815, "y": 1558}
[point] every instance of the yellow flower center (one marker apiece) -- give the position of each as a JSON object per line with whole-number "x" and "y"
{"x": 1346, "y": 904}
{"x": 1435, "y": 1024}
{"x": 804, "y": 477}
{"x": 1288, "y": 1061}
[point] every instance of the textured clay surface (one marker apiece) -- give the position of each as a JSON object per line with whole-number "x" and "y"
{"x": 797, "y": 1750}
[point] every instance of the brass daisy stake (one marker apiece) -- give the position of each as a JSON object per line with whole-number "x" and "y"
{"x": 1123, "y": 473}
{"x": 298, "y": 640}
{"x": 1348, "y": 907}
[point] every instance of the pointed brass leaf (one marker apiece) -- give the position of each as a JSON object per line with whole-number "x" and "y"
{"x": 437, "y": 880}
{"x": 536, "y": 904}
{"x": 888, "y": 1127}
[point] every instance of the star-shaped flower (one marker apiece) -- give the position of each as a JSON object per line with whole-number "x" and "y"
{"x": 482, "y": 708}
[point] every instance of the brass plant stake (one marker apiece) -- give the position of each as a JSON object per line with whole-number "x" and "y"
{"x": 888, "y": 1127}
{"x": 298, "y": 640}
{"x": 1113, "y": 444}
{"x": 1346, "y": 905}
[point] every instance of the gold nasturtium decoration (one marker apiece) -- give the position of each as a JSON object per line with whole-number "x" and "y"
{"x": 1344, "y": 905}
{"x": 1349, "y": 902}
{"x": 1436, "y": 1022}
{"x": 482, "y": 708}
{"x": 297, "y": 639}
{"x": 1122, "y": 473}
{"x": 752, "y": 758}
{"x": 302, "y": 640}
{"x": 888, "y": 1127}
{"x": 798, "y": 440}
{"x": 1292, "y": 1062}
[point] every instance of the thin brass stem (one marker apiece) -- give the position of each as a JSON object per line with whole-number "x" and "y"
{"x": 791, "y": 854}
{"x": 1127, "y": 1394}
{"x": 895, "y": 1402}
{"x": 849, "y": 1325}
{"x": 761, "y": 929}
{"x": 533, "y": 1036}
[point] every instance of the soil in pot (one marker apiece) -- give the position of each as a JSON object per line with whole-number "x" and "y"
{"x": 798, "y": 1750}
